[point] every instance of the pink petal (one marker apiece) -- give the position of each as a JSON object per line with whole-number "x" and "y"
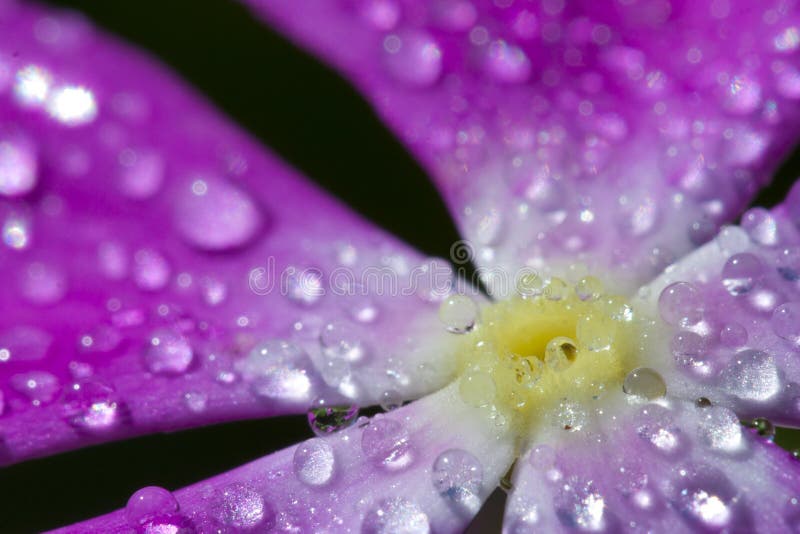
{"x": 624, "y": 135}
{"x": 658, "y": 467}
{"x": 162, "y": 270}
{"x": 733, "y": 309}
{"x": 395, "y": 471}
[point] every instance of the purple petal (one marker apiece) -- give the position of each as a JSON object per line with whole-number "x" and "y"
{"x": 161, "y": 270}
{"x": 733, "y": 309}
{"x": 659, "y": 467}
{"x": 624, "y": 135}
{"x": 397, "y": 472}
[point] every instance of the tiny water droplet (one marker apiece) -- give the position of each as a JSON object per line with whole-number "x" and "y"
{"x": 459, "y": 313}
{"x": 91, "y": 406}
{"x": 741, "y": 272}
{"x": 391, "y": 399}
{"x": 341, "y": 340}
{"x": 644, "y": 382}
{"x": 559, "y": 353}
{"x": 314, "y": 462}
{"x": 331, "y": 413}
{"x": 168, "y": 353}
{"x": 147, "y": 503}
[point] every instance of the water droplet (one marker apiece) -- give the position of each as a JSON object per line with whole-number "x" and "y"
{"x": 742, "y": 95}
{"x": 459, "y": 314}
{"x": 396, "y": 516}
{"x": 645, "y": 382}
{"x": 168, "y": 353}
{"x": 278, "y": 370}
{"x": 16, "y": 232}
{"x": 314, "y": 462}
{"x": 702, "y": 402}
{"x": 680, "y": 304}
{"x": 484, "y": 222}
{"x": 413, "y": 58}
{"x": 507, "y": 63}
{"x": 688, "y": 348}
{"x": 32, "y": 86}
{"x": 706, "y": 509}
{"x": 557, "y": 289}
{"x": 24, "y": 343}
{"x": 39, "y": 387}
{"x": 72, "y": 105}
{"x": 150, "y": 270}
{"x": 303, "y": 286}
{"x": 732, "y": 240}
{"x": 361, "y": 308}
{"x": 720, "y": 428}
{"x": 458, "y": 477}
{"x": 241, "y": 506}
{"x": 391, "y": 400}
{"x": 760, "y": 226}
{"x": 142, "y": 173}
{"x": 741, "y": 272}
{"x": 195, "y": 401}
{"x": 149, "y": 502}
{"x": 214, "y": 291}
{"x": 454, "y": 15}
{"x": 18, "y": 167}
{"x": 476, "y": 389}
{"x": 331, "y": 413}
{"x": 786, "y": 322}
{"x": 589, "y": 288}
{"x": 579, "y": 505}
{"x": 381, "y": 14}
{"x": 658, "y": 428}
{"x": 763, "y": 427}
{"x": 752, "y": 375}
{"x": 213, "y": 214}
{"x": 595, "y": 332}
{"x": 91, "y": 406}
{"x": 733, "y": 335}
{"x": 559, "y": 353}
{"x": 341, "y": 341}
{"x": 787, "y": 40}
{"x": 434, "y": 280}
{"x": 530, "y": 285}
{"x": 385, "y": 441}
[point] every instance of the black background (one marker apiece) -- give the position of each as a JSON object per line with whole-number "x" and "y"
{"x": 315, "y": 121}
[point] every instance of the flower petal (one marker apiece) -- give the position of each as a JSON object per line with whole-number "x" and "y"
{"x": 659, "y": 467}
{"x": 423, "y": 468}
{"x": 623, "y": 135}
{"x": 162, "y": 271}
{"x": 734, "y": 312}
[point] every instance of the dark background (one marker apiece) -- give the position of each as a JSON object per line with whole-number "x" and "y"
{"x": 315, "y": 121}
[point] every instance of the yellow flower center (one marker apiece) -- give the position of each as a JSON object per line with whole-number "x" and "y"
{"x": 525, "y": 357}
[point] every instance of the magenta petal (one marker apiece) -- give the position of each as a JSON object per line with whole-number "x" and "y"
{"x": 625, "y": 134}
{"x": 733, "y": 310}
{"x": 161, "y": 270}
{"x": 395, "y": 470}
{"x": 659, "y": 467}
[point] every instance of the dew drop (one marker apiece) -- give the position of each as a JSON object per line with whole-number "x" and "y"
{"x": 743, "y": 95}
{"x": 646, "y": 383}
{"x": 732, "y": 240}
{"x": 559, "y": 353}
{"x": 413, "y": 58}
{"x": 331, "y": 413}
{"x": 741, "y": 272}
{"x": 72, "y": 105}
{"x": 557, "y": 289}
{"x": 579, "y": 505}
{"x": 303, "y": 286}
{"x": 396, "y": 516}
{"x": 150, "y": 270}
{"x": 279, "y": 370}
{"x": 16, "y": 232}
{"x": 18, "y": 167}
{"x": 212, "y": 214}
{"x": 752, "y": 375}
{"x": 142, "y": 173}
{"x": 385, "y": 441}
{"x": 680, "y": 304}
{"x": 459, "y": 314}
{"x": 391, "y": 399}
{"x": 688, "y": 347}
{"x": 763, "y": 427}
{"x": 589, "y": 288}
{"x": 530, "y": 285}
{"x": 39, "y": 387}
{"x": 507, "y": 63}
{"x": 341, "y": 341}
{"x": 761, "y": 226}
{"x": 458, "y": 477}
{"x": 32, "y": 85}
{"x": 362, "y": 308}
{"x": 43, "y": 284}
{"x": 788, "y": 264}
{"x": 149, "y": 502}
{"x": 595, "y": 332}
{"x": 786, "y": 322}
{"x": 24, "y": 343}
{"x": 91, "y": 406}
{"x": 195, "y": 401}
{"x": 733, "y": 335}
{"x": 168, "y": 353}
{"x": 314, "y": 462}
{"x": 380, "y": 14}
{"x": 241, "y": 506}
{"x": 658, "y": 429}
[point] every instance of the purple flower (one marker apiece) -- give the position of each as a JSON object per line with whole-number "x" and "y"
{"x": 163, "y": 271}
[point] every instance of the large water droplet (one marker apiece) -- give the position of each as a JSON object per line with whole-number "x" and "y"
{"x": 168, "y": 352}
{"x": 413, "y": 58}
{"x": 385, "y": 441}
{"x": 741, "y": 273}
{"x": 645, "y": 382}
{"x": 742, "y": 95}
{"x": 142, "y": 173}
{"x": 39, "y": 387}
{"x": 752, "y": 375}
{"x": 149, "y": 502}
{"x": 396, "y": 516}
{"x": 314, "y": 462}
{"x": 331, "y": 413}
{"x": 212, "y": 214}
{"x": 680, "y": 304}
{"x": 733, "y": 335}
{"x": 459, "y": 313}
{"x": 458, "y": 477}
{"x": 241, "y": 506}
{"x": 18, "y": 166}
{"x": 342, "y": 341}
{"x": 760, "y": 226}
{"x": 278, "y": 370}
{"x": 150, "y": 270}
{"x": 579, "y": 505}
{"x": 507, "y": 63}
{"x": 720, "y": 429}
{"x": 788, "y": 264}
{"x": 786, "y": 322}
{"x": 658, "y": 428}
{"x": 91, "y": 406}
{"x": 707, "y": 502}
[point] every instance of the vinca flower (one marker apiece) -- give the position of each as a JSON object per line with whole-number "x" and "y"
{"x": 163, "y": 270}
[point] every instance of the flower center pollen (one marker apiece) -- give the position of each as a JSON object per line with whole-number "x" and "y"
{"x": 549, "y": 345}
